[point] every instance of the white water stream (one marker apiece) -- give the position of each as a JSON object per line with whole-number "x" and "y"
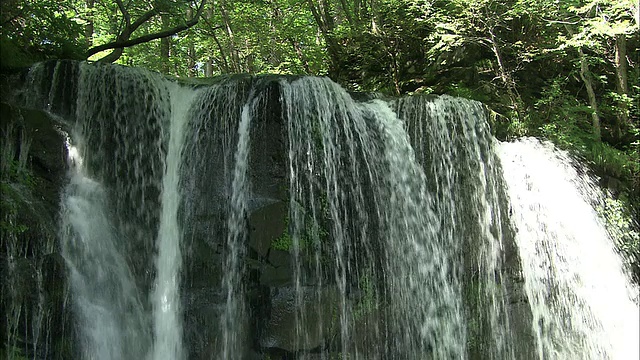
{"x": 166, "y": 297}
{"x": 234, "y": 313}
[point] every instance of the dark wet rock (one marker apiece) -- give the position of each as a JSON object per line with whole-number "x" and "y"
{"x": 268, "y": 162}
{"x": 272, "y": 276}
{"x": 203, "y": 311}
{"x": 54, "y": 276}
{"x": 278, "y": 271}
{"x": 266, "y": 224}
{"x": 280, "y": 258}
{"x": 34, "y": 287}
{"x": 318, "y": 309}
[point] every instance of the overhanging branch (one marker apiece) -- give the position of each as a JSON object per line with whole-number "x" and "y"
{"x": 124, "y": 40}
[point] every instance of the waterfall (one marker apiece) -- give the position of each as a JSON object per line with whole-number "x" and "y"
{"x": 582, "y": 302}
{"x": 456, "y": 150}
{"x": 282, "y": 217}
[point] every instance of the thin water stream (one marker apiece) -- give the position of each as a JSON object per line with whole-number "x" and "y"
{"x": 166, "y": 298}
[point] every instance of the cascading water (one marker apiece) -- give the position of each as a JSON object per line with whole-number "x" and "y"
{"x": 110, "y": 212}
{"x": 582, "y": 303}
{"x": 456, "y": 150}
{"x": 232, "y": 280}
{"x": 108, "y": 307}
{"x": 418, "y": 261}
{"x": 278, "y": 217}
{"x": 359, "y": 206}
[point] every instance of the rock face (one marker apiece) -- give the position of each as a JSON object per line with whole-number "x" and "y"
{"x": 34, "y": 317}
{"x": 35, "y": 296}
{"x": 281, "y": 328}
{"x": 266, "y": 224}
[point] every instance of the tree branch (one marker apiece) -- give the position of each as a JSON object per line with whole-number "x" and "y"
{"x": 143, "y": 19}
{"x": 125, "y": 13}
{"x": 124, "y": 40}
{"x": 141, "y": 39}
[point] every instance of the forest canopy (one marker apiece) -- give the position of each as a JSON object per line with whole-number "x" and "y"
{"x": 564, "y": 70}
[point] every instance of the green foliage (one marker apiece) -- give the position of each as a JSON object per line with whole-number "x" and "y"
{"x": 308, "y": 239}
{"x": 10, "y": 188}
{"x": 517, "y": 128}
{"x": 566, "y": 122}
{"x": 35, "y": 30}
{"x": 12, "y": 56}
{"x": 12, "y": 353}
{"x": 604, "y": 158}
{"x": 462, "y": 90}
{"x": 612, "y": 161}
{"x": 15, "y": 172}
{"x": 284, "y": 242}
{"x": 618, "y": 218}
{"x": 9, "y": 210}
{"x": 367, "y": 302}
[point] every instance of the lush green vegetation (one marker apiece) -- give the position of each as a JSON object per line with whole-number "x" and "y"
{"x": 564, "y": 70}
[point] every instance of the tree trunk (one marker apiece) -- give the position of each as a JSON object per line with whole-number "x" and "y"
{"x": 88, "y": 28}
{"x": 225, "y": 63}
{"x": 275, "y": 55}
{"x": 325, "y": 24}
{"x": 506, "y": 78}
{"x": 113, "y": 56}
{"x": 235, "y": 58}
{"x": 208, "y": 70}
{"x": 191, "y": 54}
{"x": 585, "y": 75}
{"x": 347, "y": 12}
{"x": 622, "y": 86}
{"x": 300, "y": 54}
{"x": 374, "y": 17}
{"x": 277, "y": 17}
{"x": 165, "y": 46}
